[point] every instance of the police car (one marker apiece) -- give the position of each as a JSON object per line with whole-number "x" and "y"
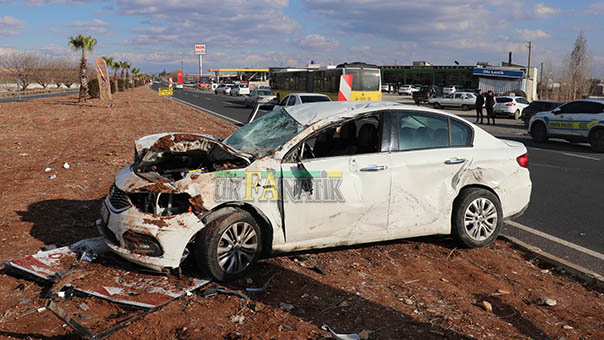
{"x": 577, "y": 121}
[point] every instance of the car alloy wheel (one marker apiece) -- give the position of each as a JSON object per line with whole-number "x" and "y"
{"x": 517, "y": 114}
{"x": 477, "y": 217}
{"x": 480, "y": 219}
{"x": 465, "y": 107}
{"x": 437, "y": 106}
{"x": 237, "y": 247}
{"x": 229, "y": 244}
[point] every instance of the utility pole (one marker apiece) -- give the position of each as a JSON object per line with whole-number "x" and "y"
{"x": 528, "y": 69}
{"x": 541, "y": 82}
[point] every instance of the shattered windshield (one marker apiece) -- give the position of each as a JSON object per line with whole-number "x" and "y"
{"x": 265, "y": 134}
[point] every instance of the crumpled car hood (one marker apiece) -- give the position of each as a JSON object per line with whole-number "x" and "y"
{"x": 169, "y": 156}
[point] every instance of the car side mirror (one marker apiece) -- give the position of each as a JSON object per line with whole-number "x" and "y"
{"x": 556, "y": 111}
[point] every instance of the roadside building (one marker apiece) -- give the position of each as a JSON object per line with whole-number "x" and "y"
{"x": 508, "y": 78}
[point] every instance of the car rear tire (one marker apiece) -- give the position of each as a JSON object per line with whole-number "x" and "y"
{"x": 517, "y": 114}
{"x": 228, "y": 247}
{"x": 538, "y": 132}
{"x": 438, "y": 106}
{"x": 477, "y": 217}
{"x": 465, "y": 107}
{"x": 596, "y": 139}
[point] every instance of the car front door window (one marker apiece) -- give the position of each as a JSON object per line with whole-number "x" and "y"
{"x": 291, "y": 101}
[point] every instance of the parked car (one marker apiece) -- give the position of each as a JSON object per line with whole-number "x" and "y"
{"x": 240, "y": 90}
{"x": 425, "y": 93}
{"x": 223, "y": 88}
{"x": 302, "y": 98}
{"x": 576, "y": 121}
{"x": 407, "y": 89}
{"x": 510, "y": 106}
{"x": 386, "y": 87}
{"x": 450, "y": 89}
{"x": 262, "y": 97}
{"x": 312, "y": 176}
{"x": 463, "y": 100}
{"x": 538, "y": 106}
{"x": 178, "y": 86}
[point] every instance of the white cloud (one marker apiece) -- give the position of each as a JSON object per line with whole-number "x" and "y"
{"x": 318, "y": 42}
{"x": 529, "y": 35}
{"x": 10, "y": 26}
{"x": 541, "y": 10}
{"x": 94, "y": 26}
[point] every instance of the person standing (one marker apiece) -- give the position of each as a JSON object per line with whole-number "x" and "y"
{"x": 489, "y": 103}
{"x": 479, "y": 103}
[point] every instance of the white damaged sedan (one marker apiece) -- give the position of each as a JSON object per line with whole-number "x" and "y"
{"x": 312, "y": 176}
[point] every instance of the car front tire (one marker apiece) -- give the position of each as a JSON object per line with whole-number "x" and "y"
{"x": 228, "y": 247}
{"x": 517, "y": 114}
{"x": 538, "y": 132}
{"x": 596, "y": 139}
{"x": 437, "y": 106}
{"x": 465, "y": 107}
{"x": 477, "y": 217}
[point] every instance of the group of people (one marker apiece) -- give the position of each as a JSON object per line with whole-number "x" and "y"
{"x": 489, "y": 102}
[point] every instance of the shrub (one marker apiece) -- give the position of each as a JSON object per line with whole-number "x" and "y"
{"x": 93, "y": 88}
{"x": 120, "y": 85}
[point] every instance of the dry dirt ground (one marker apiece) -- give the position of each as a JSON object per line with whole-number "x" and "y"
{"x": 426, "y": 288}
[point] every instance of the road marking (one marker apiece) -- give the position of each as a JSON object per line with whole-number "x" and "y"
{"x": 207, "y": 110}
{"x": 565, "y": 153}
{"x": 581, "y": 156}
{"x": 557, "y": 240}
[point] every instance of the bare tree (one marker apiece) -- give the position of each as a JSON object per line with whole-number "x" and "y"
{"x": 22, "y": 66}
{"x": 577, "y": 69}
{"x": 67, "y": 72}
{"x": 45, "y": 71}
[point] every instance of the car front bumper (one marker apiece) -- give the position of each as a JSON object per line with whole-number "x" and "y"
{"x": 171, "y": 233}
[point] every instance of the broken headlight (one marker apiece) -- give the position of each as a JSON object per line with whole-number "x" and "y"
{"x": 142, "y": 244}
{"x": 163, "y": 204}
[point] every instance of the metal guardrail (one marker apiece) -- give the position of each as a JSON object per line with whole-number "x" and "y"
{"x": 33, "y": 93}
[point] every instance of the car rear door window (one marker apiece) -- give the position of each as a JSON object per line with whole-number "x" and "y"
{"x": 461, "y": 134}
{"x": 591, "y": 107}
{"x": 522, "y": 101}
{"x": 422, "y": 131}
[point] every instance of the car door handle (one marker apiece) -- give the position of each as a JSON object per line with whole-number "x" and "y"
{"x": 374, "y": 168}
{"x": 455, "y": 161}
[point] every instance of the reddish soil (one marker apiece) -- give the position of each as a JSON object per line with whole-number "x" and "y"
{"x": 424, "y": 288}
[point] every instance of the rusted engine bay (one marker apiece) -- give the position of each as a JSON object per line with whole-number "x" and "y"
{"x": 172, "y": 158}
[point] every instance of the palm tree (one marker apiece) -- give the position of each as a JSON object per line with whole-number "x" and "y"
{"x": 127, "y": 66}
{"x": 136, "y": 71}
{"x": 84, "y": 44}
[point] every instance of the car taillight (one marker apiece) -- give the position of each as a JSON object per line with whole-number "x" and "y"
{"x": 510, "y": 104}
{"x": 523, "y": 160}
{"x": 260, "y": 97}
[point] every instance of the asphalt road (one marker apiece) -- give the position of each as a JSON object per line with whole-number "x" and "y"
{"x": 23, "y": 98}
{"x": 566, "y": 213}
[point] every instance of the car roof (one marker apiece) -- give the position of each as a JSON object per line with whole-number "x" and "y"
{"x": 309, "y": 94}
{"x": 593, "y": 100}
{"x": 307, "y": 114}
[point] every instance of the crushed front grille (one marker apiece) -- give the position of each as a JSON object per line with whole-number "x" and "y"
{"x": 118, "y": 198}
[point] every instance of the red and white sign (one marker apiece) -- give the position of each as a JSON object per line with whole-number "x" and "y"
{"x": 170, "y": 81}
{"x": 179, "y": 77}
{"x": 345, "y": 87}
{"x": 200, "y": 48}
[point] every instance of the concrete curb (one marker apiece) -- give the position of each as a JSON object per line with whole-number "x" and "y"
{"x": 580, "y": 272}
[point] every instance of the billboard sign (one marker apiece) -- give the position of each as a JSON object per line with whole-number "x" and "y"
{"x": 103, "y": 76}
{"x": 492, "y": 72}
{"x": 179, "y": 77}
{"x": 200, "y": 49}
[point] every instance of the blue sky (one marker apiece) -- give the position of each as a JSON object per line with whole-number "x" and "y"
{"x": 158, "y": 34}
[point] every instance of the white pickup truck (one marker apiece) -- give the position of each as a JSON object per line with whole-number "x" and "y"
{"x": 463, "y": 100}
